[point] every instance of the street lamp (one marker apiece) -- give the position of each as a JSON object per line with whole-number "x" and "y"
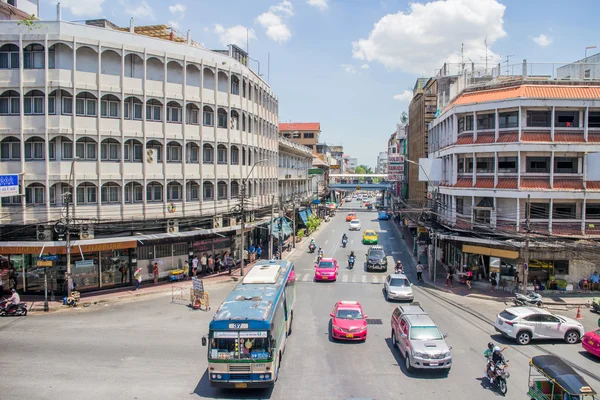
{"x": 586, "y": 49}
{"x": 242, "y": 202}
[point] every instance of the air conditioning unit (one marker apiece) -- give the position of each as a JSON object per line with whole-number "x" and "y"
{"x": 217, "y": 222}
{"x": 150, "y": 156}
{"x": 288, "y": 177}
{"x": 86, "y": 231}
{"x": 172, "y": 226}
{"x": 44, "y": 233}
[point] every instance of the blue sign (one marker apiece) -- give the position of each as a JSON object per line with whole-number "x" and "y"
{"x": 259, "y": 355}
{"x": 49, "y": 257}
{"x": 9, "y": 185}
{"x": 84, "y": 264}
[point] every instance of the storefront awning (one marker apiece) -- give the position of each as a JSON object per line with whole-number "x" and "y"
{"x": 488, "y": 251}
{"x": 303, "y": 216}
{"x": 287, "y": 229}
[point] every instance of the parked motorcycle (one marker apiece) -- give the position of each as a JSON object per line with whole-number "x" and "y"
{"x": 532, "y": 299}
{"x": 596, "y": 305}
{"x": 351, "y": 262}
{"x": 500, "y": 377}
{"x": 344, "y": 242}
{"x": 19, "y": 310}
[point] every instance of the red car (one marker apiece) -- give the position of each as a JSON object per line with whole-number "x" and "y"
{"x": 348, "y": 321}
{"x": 591, "y": 342}
{"x": 326, "y": 270}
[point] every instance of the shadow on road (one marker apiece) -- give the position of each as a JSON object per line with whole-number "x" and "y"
{"x": 424, "y": 374}
{"x": 590, "y": 357}
{"x": 205, "y": 391}
{"x": 485, "y": 384}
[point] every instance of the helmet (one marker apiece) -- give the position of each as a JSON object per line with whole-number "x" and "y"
{"x": 491, "y": 346}
{"x": 398, "y": 262}
{"x": 496, "y": 349}
{"x": 12, "y": 290}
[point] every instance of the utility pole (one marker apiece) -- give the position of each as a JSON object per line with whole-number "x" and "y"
{"x": 243, "y": 225}
{"x": 294, "y": 219}
{"x": 281, "y": 235}
{"x": 526, "y": 263}
{"x": 68, "y": 231}
{"x": 271, "y": 227}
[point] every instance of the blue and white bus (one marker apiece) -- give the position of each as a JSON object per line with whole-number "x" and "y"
{"x": 249, "y": 331}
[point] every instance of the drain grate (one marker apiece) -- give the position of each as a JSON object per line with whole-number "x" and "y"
{"x": 374, "y": 322}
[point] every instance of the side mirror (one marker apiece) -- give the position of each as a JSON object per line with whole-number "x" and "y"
{"x": 445, "y": 335}
{"x": 366, "y": 316}
{"x": 331, "y": 315}
{"x": 204, "y": 340}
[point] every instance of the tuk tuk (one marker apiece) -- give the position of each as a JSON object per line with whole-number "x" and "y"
{"x": 550, "y": 378}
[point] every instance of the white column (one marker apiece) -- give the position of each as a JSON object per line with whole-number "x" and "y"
{"x": 164, "y": 132}
{"x": 583, "y": 212}
{"x": 122, "y": 129}
{"x": 184, "y": 122}
{"x": 552, "y": 170}
{"x": 474, "y": 127}
{"x": 520, "y": 122}
{"x": 518, "y": 216}
{"x": 201, "y": 155}
{"x": 74, "y": 127}
{"x": 98, "y": 135}
{"x": 21, "y": 135}
{"x": 229, "y": 119}
{"x": 496, "y": 125}
{"x": 550, "y": 215}
{"x": 586, "y": 114}
{"x": 145, "y": 137}
{"x": 552, "y": 123}
{"x": 46, "y": 136}
{"x": 519, "y": 170}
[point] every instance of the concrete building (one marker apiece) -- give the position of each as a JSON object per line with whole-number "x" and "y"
{"x": 584, "y": 69}
{"x": 352, "y": 163}
{"x": 295, "y": 161}
{"x": 396, "y": 162}
{"x": 337, "y": 153}
{"x": 304, "y": 133}
{"x": 160, "y": 133}
{"x": 18, "y": 10}
{"x": 382, "y": 163}
{"x": 520, "y": 158}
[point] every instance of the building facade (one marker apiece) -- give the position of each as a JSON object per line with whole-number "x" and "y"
{"x": 295, "y": 161}
{"x": 139, "y": 134}
{"x": 382, "y": 163}
{"x": 18, "y": 10}
{"x": 304, "y": 133}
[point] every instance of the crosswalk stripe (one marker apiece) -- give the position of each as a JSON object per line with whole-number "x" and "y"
{"x": 345, "y": 278}
{"x": 306, "y": 277}
{"x": 364, "y": 279}
{"x": 354, "y": 279}
{"x": 374, "y": 280}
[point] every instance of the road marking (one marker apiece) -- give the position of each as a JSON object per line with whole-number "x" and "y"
{"x": 354, "y": 279}
{"x": 345, "y": 278}
{"x": 327, "y": 241}
{"x": 396, "y": 252}
{"x": 364, "y": 279}
{"x": 352, "y": 242}
{"x": 392, "y": 238}
{"x": 305, "y": 278}
{"x": 374, "y": 280}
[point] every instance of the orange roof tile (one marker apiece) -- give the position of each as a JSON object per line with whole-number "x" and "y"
{"x": 485, "y": 138}
{"x": 529, "y": 91}
{"x": 506, "y": 137}
{"x": 592, "y": 185}
{"x": 536, "y": 137}
{"x": 506, "y": 225}
{"x": 300, "y": 126}
{"x": 592, "y": 231}
{"x": 484, "y": 183}
{"x": 464, "y": 183}
{"x": 567, "y": 184}
{"x": 576, "y": 137}
{"x": 594, "y": 137}
{"x": 507, "y": 183}
{"x": 465, "y": 139}
{"x": 535, "y": 183}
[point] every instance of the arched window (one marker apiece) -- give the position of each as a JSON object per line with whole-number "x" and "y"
{"x": 133, "y": 108}
{"x": 235, "y": 155}
{"x": 222, "y": 190}
{"x": 9, "y": 56}
{"x": 33, "y": 56}
{"x": 133, "y": 150}
{"x": 154, "y": 192}
{"x": 192, "y": 191}
{"x": 10, "y": 149}
{"x": 209, "y": 79}
{"x": 208, "y": 154}
{"x": 110, "y": 106}
{"x": 33, "y": 103}
{"x": 153, "y": 110}
{"x": 174, "y": 112}
{"x": 134, "y": 66}
{"x": 192, "y": 75}
{"x": 10, "y": 103}
{"x": 208, "y": 191}
{"x": 235, "y": 85}
{"x": 191, "y": 114}
{"x": 222, "y": 118}
{"x": 155, "y": 69}
{"x": 235, "y": 189}
{"x": 208, "y": 116}
{"x": 157, "y": 147}
{"x": 85, "y": 105}
{"x": 243, "y": 156}
{"x": 35, "y": 149}
{"x": 221, "y": 154}
{"x": 235, "y": 120}
{"x": 35, "y": 194}
{"x": 222, "y": 82}
{"x": 174, "y": 191}
{"x": 111, "y": 63}
{"x": 110, "y": 193}
{"x": 134, "y": 192}
{"x": 243, "y": 122}
{"x": 173, "y": 152}
{"x": 86, "y": 149}
{"x": 192, "y": 153}
{"x": 87, "y": 193}
{"x": 174, "y": 72}
{"x": 110, "y": 150}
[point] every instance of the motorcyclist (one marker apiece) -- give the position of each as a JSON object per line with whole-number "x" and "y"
{"x": 496, "y": 358}
{"x": 399, "y": 267}
{"x": 320, "y": 253}
{"x": 344, "y": 237}
{"x": 312, "y": 244}
{"x": 13, "y": 301}
{"x": 351, "y": 258}
{"x": 488, "y": 356}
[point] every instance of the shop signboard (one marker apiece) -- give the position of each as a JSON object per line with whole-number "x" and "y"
{"x": 197, "y": 284}
{"x": 84, "y": 264}
{"x": 396, "y": 167}
{"x": 43, "y": 263}
{"x": 9, "y": 185}
{"x": 47, "y": 257}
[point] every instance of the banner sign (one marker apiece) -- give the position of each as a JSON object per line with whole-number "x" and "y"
{"x": 396, "y": 167}
{"x": 197, "y": 284}
{"x": 9, "y": 185}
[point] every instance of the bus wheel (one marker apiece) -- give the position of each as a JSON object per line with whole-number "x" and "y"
{"x": 278, "y": 366}
{"x": 291, "y": 322}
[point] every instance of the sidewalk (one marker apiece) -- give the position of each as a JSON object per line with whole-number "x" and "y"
{"x": 481, "y": 289}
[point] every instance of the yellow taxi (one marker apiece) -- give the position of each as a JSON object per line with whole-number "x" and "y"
{"x": 370, "y": 237}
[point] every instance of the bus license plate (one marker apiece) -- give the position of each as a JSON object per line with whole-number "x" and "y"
{"x": 349, "y": 335}
{"x": 241, "y": 385}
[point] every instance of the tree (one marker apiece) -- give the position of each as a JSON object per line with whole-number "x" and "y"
{"x": 360, "y": 169}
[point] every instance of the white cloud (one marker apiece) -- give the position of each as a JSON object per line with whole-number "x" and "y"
{"x": 405, "y": 96}
{"x": 320, "y": 4}
{"x": 542, "y": 40}
{"x": 273, "y": 21}
{"x": 173, "y": 24}
{"x": 141, "y": 10}
{"x": 234, "y": 35}
{"x": 177, "y": 9}
{"x": 365, "y": 66}
{"x": 427, "y": 35}
{"x": 83, "y": 7}
{"x": 349, "y": 68}
{"x": 206, "y": 29}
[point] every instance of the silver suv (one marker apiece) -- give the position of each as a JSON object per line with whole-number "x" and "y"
{"x": 420, "y": 341}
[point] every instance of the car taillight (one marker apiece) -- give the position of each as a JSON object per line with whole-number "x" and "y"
{"x": 509, "y": 323}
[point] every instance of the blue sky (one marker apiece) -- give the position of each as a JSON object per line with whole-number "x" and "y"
{"x": 349, "y": 63}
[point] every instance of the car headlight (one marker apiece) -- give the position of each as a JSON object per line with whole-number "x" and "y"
{"x": 337, "y": 328}
{"x": 362, "y": 329}
{"x": 267, "y": 376}
{"x": 420, "y": 355}
{"x": 447, "y": 354}
{"x": 219, "y": 376}
{"x": 261, "y": 376}
{"x": 214, "y": 376}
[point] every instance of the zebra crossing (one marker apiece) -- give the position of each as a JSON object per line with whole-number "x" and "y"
{"x": 346, "y": 278}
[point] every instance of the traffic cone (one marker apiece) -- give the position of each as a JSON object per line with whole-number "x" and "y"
{"x": 579, "y": 313}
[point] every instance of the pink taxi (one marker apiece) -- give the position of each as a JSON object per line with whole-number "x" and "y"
{"x": 326, "y": 270}
{"x": 348, "y": 321}
{"x": 591, "y": 342}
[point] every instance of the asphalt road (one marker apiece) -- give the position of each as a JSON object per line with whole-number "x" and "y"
{"x": 150, "y": 348}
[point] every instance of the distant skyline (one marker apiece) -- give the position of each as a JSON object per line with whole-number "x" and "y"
{"x": 351, "y": 65}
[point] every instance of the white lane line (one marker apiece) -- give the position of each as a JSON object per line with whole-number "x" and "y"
{"x": 345, "y": 278}
{"x": 374, "y": 280}
{"x": 352, "y": 242}
{"x": 333, "y": 230}
{"x": 364, "y": 279}
{"x": 396, "y": 252}
{"x": 327, "y": 241}
{"x": 306, "y": 278}
{"x": 392, "y": 238}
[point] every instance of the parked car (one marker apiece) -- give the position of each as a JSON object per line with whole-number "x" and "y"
{"x": 591, "y": 342}
{"x": 348, "y": 321}
{"x": 420, "y": 342}
{"x": 398, "y": 287}
{"x": 376, "y": 259}
{"x": 354, "y": 225}
{"x": 326, "y": 270}
{"x": 527, "y": 323}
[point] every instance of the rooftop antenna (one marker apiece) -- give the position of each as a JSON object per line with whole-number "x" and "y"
{"x": 462, "y": 57}
{"x": 247, "y": 41}
{"x": 508, "y": 63}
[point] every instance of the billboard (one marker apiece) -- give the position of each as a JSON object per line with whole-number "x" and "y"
{"x": 396, "y": 167}
{"x": 9, "y": 185}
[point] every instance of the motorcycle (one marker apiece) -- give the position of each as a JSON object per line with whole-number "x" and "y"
{"x": 19, "y": 310}
{"x": 532, "y": 299}
{"x": 351, "y": 262}
{"x": 344, "y": 242}
{"x": 319, "y": 257}
{"x": 500, "y": 377}
{"x": 312, "y": 247}
{"x": 596, "y": 305}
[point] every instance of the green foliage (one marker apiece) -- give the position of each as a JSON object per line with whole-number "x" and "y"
{"x": 30, "y": 22}
{"x": 301, "y": 233}
{"x": 312, "y": 223}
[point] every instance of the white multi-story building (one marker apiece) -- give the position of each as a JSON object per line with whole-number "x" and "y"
{"x": 509, "y": 147}
{"x": 294, "y": 162}
{"x": 17, "y": 10}
{"x": 382, "y": 163}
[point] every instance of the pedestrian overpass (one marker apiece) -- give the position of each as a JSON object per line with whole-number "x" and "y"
{"x": 353, "y": 182}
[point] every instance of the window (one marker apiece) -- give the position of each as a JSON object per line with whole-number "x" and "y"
{"x": 235, "y": 86}
{"x": 309, "y": 135}
{"x": 10, "y": 150}
{"x": 594, "y": 119}
{"x": 465, "y": 165}
{"x": 539, "y": 119}
{"x": 508, "y": 120}
{"x": 52, "y": 150}
{"x": 136, "y": 107}
{"x": 561, "y": 267}
{"x": 592, "y": 211}
{"x": 110, "y": 151}
{"x": 85, "y": 107}
{"x": 9, "y": 57}
{"x": 235, "y": 155}
{"x": 297, "y": 135}
{"x": 192, "y": 116}
{"x": 85, "y": 150}
{"x": 87, "y": 194}
{"x": 208, "y": 191}
{"x": 153, "y": 112}
{"x": 110, "y": 193}
{"x": 193, "y": 191}
{"x": 67, "y": 150}
{"x": 564, "y": 211}
{"x": 174, "y": 192}
{"x": 222, "y": 191}
{"x": 154, "y": 192}
{"x": 538, "y": 165}
{"x": 565, "y": 165}
{"x": 566, "y": 119}
{"x": 157, "y": 147}
{"x": 193, "y": 155}
{"x": 465, "y": 123}
{"x": 51, "y": 105}
{"x": 138, "y": 193}
{"x": 222, "y": 119}
{"x": 34, "y": 150}
{"x": 67, "y": 105}
{"x": 9, "y": 105}
{"x": 459, "y": 205}
{"x": 540, "y": 210}
{"x": 34, "y": 195}
{"x": 221, "y": 155}
{"x": 173, "y": 153}
{"x": 33, "y": 57}
{"x": 173, "y": 114}
{"x": 33, "y": 105}
{"x": 485, "y": 165}
{"x": 486, "y": 121}
{"x": 235, "y": 189}
{"x": 508, "y": 164}
{"x": 208, "y": 116}
{"x": 109, "y": 108}
{"x": 207, "y": 156}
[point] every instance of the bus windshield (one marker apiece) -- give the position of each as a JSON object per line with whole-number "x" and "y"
{"x": 231, "y": 345}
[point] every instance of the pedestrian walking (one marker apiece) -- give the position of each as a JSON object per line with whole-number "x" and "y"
{"x": 203, "y": 264}
{"x": 469, "y": 278}
{"x": 229, "y": 261}
{"x": 195, "y": 265}
{"x": 1, "y": 288}
{"x": 137, "y": 276}
{"x": 493, "y": 280}
{"x": 211, "y": 264}
{"x": 449, "y": 277}
{"x": 258, "y": 252}
{"x": 252, "y": 253}
{"x": 187, "y": 272}
{"x": 155, "y": 273}
{"x": 420, "y": 272}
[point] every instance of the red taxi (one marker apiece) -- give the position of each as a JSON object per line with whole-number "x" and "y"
{"x": 326, "y": 270}
{"x": 591, "y": 342}
{"x": 348, "y": 321}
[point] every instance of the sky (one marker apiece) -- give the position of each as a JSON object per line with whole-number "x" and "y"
{"x": 351, "y": 64}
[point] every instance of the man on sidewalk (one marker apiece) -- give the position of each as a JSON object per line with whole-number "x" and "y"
{"x": 229, "y": 261}
{"x": 195, "y": 265}
{"x": 203, "y": 264}
{"x": 419, "y": 272}
{"x": 251, "y": 253}
{"x": 258, "y": 252}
